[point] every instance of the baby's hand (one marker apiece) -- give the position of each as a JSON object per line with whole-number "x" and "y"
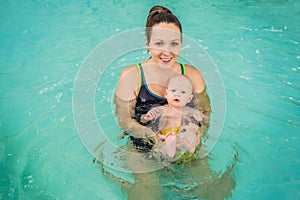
{"x": 152, "y": 114}
{"x": 198, "y": 116}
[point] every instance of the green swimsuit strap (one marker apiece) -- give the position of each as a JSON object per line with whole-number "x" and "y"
{"x": 139, "y": 78}
{"x": 183, "y": 69}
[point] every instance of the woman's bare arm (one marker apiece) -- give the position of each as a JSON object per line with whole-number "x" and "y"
{"x": 125, "y": 100}
{"x": 200, "y": 96}
{"x": 125, "y": 113}
{"x": 201, "y": 99}
{"x": 203, "y": 102}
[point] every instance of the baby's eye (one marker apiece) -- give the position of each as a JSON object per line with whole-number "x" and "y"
{"x": 183, "y": 92}
{"x": 173, "y": 90}
{"x": 183, "y": 130}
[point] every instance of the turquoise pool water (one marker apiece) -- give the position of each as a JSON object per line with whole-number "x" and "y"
{"x": 255, "y": 45}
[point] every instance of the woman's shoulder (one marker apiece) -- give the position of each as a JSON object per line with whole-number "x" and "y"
{"x": 128, "y": 83}
{"x": 131, "y": 69}
{"x": 191, "y": 69}
{"x": 196, "y": 77}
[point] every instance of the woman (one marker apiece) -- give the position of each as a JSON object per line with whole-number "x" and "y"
{"x": 143, "y": 85}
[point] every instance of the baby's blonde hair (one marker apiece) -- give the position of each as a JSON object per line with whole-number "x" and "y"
{"x": 179, "y": 78}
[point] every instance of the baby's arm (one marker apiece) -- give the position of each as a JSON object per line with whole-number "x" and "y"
{"x": 195, "y": 113}
{"x": 153, "y": 113}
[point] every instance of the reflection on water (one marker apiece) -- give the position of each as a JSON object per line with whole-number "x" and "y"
{"x": 189, "y": 180}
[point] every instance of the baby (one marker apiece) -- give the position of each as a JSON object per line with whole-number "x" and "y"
{"x": 177, "y": 122}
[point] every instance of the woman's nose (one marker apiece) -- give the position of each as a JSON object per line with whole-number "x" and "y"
{"x": 167, "y": 49}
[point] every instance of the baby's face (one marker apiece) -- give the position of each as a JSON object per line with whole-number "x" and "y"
{"x": 179, "y": 93}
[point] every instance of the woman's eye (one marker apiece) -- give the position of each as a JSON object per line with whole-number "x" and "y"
{"x": 174, "y": 43}
{"x": 158, "y": 43}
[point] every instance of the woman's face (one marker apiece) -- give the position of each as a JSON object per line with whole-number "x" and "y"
{"x": 165, "y": 44}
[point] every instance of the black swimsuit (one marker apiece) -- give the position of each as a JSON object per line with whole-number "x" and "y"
{"x": 144, "y": 102}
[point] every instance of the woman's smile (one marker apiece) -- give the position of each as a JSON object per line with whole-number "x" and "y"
{"x": 166, "y": 60}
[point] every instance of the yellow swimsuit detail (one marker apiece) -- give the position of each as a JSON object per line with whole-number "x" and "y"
{"x": 168, "y": 130}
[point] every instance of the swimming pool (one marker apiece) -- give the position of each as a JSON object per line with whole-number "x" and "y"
{"x": 43, "y": 44}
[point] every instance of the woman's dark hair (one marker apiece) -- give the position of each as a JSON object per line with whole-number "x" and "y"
{"x": 158, "y": 14}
